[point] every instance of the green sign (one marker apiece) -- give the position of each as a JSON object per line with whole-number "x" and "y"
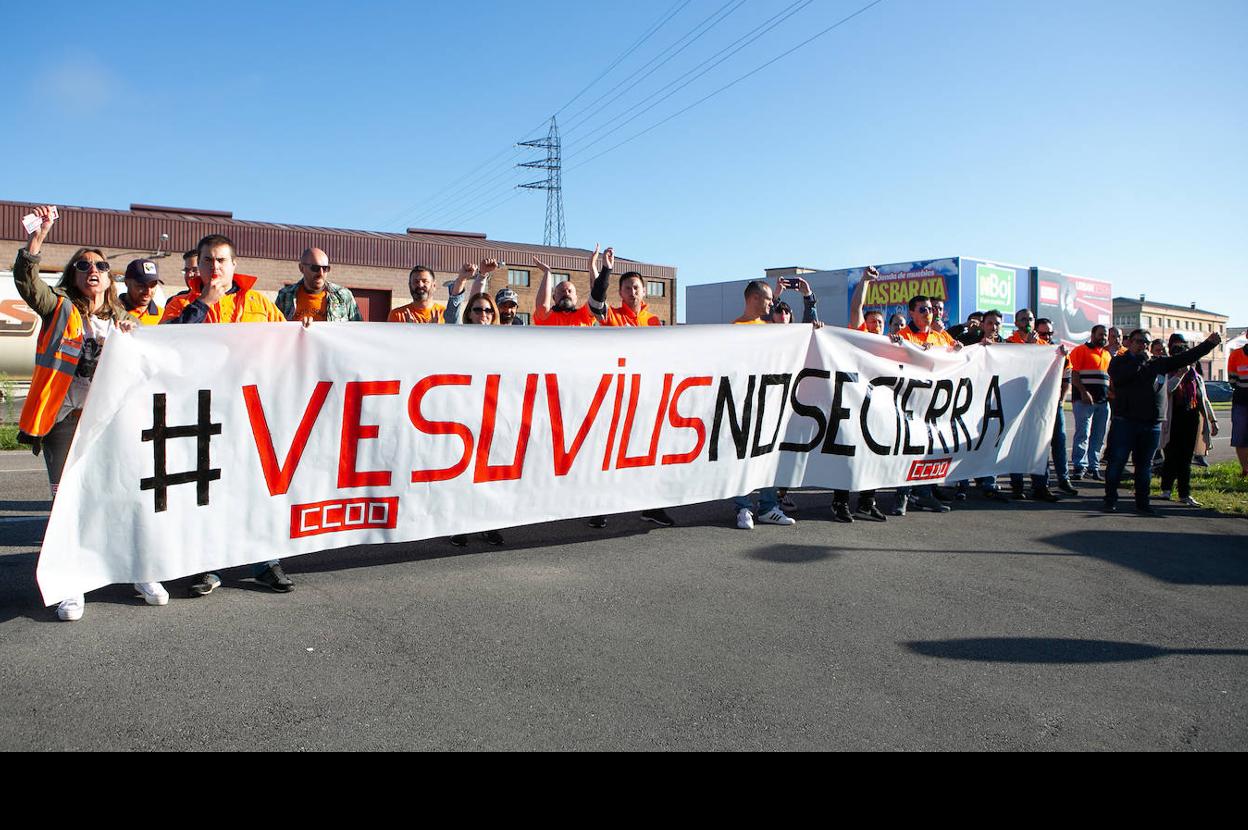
{"x": 994, "y": 288}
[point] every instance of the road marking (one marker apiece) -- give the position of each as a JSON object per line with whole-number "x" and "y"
{"x": 26, "y": 470}
{"x": 14, "y": 519}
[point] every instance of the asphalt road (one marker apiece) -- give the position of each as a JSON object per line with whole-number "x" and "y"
{"x": 1017, "y": 627}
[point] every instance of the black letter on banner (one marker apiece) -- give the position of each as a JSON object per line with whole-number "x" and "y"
{"x": 814, "y": 413}
{"x": 837, "y": 414}
{"x": 202, "y": 432}
{"x": 876, "y": 447}
{"x": 908, "y": 448}
{"x": 935, "y": 409}
{"x": 740, "y": 429}
{"x": 769, "y": 380}
{"x": 960, "y": 408}
{"x": 994, "y": 410}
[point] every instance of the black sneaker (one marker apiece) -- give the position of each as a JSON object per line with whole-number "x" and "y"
{"x": 659, "y": 517}
{"x": 1145, "y": 510}
{"x": 1065, "y": 487}
{"x": 493, "y": 537}
{"x": 1199, "y": 461}
{"x": 203, "y": 585}
{"x": 276, "y": 579}
{"x": 840, "y": 512}
{"x": 1109, "y": 506}
{"x": 870, "y": 513}
{"x": 1046, "y": 495}
{"x": 1077, "y": 475}
{"x": 598, "y": 522}
{"x": 1095, "y": 475}
{"x": 1018, "y": 495}
{"x": 459, "y": 540}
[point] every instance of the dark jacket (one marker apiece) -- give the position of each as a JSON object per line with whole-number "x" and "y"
{"x": 1139, "y": 384}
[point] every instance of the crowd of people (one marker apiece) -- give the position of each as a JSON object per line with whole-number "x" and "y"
{"x": 1129, "y": 394}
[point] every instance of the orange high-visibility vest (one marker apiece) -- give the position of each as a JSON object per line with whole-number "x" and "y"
{"x": 56, "y": 362}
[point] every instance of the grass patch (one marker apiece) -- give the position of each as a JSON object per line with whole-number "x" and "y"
{"x": 8, "y": 437}
{"x": 1219, "y": 488}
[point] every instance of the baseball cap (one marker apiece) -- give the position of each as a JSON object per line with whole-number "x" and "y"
{"x": 143, "y": 270}
{"x": 506, "y": 295}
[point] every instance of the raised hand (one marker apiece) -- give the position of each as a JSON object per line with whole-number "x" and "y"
{"x": 489, "y": 266}
{"x": 608, "y": 258}
{"x": 546, "y": 268}
{"x": 593, "y": 263}
{"x": 45, "y": 214}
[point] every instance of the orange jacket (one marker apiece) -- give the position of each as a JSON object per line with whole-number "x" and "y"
{"x": 624, "y": 316}
{"x": 56, "y": 362}
{"x": 241, "y": 305}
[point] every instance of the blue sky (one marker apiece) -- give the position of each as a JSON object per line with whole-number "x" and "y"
{"x": 1101, "y": 138}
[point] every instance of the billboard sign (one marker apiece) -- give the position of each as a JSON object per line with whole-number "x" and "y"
{"x": 898, "y": 282}
{"x": 1075, "y": 304}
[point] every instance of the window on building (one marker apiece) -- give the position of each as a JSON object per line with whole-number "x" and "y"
{"x": 518, "y": 276}
{"x": 654, "y": 288}
{"x": 526, "y": 317}
{"x": 1148, "y": 321}
{"x": 556, "y": 278}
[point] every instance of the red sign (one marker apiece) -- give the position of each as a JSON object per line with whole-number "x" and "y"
{"x": 336, "y": 516}
{"x": 929, "y": 470}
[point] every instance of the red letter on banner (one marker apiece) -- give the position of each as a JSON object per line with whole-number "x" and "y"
{"x": 564, "y": 458}
{"x": 503, "y": 472}
{"x": 623, "y": 461}
{"x": 278, "y": 480}
{"x": 679, "y": 421}
{"x": 353, "y": 432}
{"x": 440, "y": 427}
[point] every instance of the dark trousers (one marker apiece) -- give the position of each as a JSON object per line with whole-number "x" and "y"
{"x": 1184, "y": 427}
{"x": 55, "y": 448}
{"x": 1138, "y": 441}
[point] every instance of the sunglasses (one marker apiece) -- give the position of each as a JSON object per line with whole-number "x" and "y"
{"x": 324, "y": 268}
{"x": 85, "y": 265}
{"x": 481, "y": 310}
{"x": 924, "y": 309}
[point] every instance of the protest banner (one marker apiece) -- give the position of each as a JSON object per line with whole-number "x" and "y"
{"x": 205, "y": 447}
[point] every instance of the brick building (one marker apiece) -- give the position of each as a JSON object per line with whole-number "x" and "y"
{"x": 373, "y": 264}
{"x": 1164, "y": 319}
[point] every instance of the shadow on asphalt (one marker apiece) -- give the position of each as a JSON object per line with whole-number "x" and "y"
{"x": 1174, "y": 557}
{"x": 794, "y": 554}
{"x": 1053, "y": 650}
{"x": 26, "y": 506}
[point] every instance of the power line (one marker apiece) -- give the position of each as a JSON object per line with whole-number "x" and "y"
{"x": 694, "y": 73}
{"x": 719, "y": 13}
{"x": 733, "y": 83}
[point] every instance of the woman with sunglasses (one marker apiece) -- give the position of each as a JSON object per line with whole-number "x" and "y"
{"x": 481, "y": 312}
{"x": 78, "y": 316}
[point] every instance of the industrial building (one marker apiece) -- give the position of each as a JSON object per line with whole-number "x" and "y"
{"x": 1165, "y": 319}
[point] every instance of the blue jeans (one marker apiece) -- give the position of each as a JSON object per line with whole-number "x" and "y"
{"x": 1057, "y": 451}
{"x": 1091, "y": 419}
{"x": 1138, "y": 441}
{"x": 768, "y": 500}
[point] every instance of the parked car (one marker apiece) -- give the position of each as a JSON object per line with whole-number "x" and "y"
{"x": 1219, "y": 391}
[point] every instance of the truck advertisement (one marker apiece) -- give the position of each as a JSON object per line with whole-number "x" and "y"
{"x": 1075, "y": 304}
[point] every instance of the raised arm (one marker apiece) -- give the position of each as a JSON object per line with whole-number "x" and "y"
{"x": 33, "y": 290}
{"x": 602, "y": 280}
{"x": 858, "y": 300}
{"x": 544, "y": 291}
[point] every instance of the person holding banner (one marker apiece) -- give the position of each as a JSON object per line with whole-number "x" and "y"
{"x": 758, "y": 302}
{"x": 557, "y": 305}
{"x": 422, "y": 308}
{"x": 221, "y": 295}
{"x": 871, "y": 322}
{"x": 480, "y": 276}
{"x": 1138, "y": 409}
{"x": 921, "y": 333}
{"x": 77, "y": 317}
{"x": 1042, "y": 335}
{"x": 314, "y": 297}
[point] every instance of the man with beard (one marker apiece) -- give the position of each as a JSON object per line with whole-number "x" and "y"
{"x": 1089, "y": 397}
{"x": 422, "y": 308}
{"x": 508, "y": 302}
{"x": 558, "y": 306}
{"x": 314, "y": 297}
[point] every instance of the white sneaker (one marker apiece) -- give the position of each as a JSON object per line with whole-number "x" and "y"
{"x": 1165, "y": 495}
{"x": 775, "y": 516}
{"x": 745, "y": 519}
{"x": 70, "y": 610}
{"x": 153, "y": 592}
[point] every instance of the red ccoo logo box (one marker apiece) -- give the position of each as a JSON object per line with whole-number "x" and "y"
{"x": 929, "y": 470}
{"x": 343, "y": 514}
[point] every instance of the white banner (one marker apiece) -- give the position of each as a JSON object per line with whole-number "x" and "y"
{"x": 204, "y": 447}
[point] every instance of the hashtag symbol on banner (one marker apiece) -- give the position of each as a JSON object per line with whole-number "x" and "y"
{"x": 202, "y": 431}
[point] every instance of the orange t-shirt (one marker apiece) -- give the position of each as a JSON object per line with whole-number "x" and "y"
{"x": 581, "y": 317}
{"x": 435, "y": 313}
{"x": 310, "y": 305}
{"x": 744, "y": 322}
{"x": 931, "y": 338}
{"x": 624, "y": 316}
{"x": 1016, "y": 337}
